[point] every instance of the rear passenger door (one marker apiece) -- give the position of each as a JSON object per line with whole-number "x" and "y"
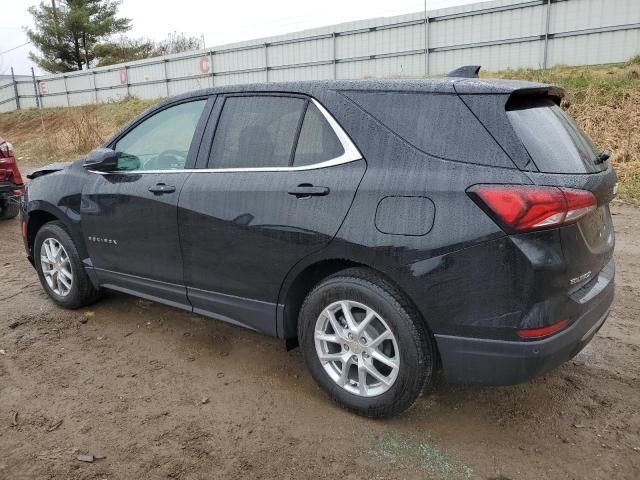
{"x": 278, "y": 178}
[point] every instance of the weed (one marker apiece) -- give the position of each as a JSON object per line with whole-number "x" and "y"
{"x": 406, "y": 449}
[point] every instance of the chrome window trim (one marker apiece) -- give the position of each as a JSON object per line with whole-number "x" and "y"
{"x": 351, "y": 154}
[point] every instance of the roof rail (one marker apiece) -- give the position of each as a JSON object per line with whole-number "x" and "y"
{"x": 467, "y": 71}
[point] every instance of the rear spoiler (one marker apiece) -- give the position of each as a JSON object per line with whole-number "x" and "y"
{"x": 550, "y": 91}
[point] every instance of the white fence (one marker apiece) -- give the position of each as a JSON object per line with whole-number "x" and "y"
{"x": 497, "y": 35}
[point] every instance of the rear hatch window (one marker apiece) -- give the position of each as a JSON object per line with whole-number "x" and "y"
{"x": 554, "y": 141}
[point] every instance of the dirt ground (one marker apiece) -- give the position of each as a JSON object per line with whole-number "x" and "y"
{"x": 161, "y": 393}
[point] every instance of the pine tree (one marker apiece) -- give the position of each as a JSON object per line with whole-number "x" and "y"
{"x": 67, "y": 33}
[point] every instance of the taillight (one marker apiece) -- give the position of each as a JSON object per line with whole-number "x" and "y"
{"x": 6, "y": 150}
{"x": 520, "y": 208}
{"x": 8, "y": 165}
{"x": 543, "y": 331}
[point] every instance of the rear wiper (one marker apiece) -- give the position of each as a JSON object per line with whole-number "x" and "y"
{"x": 603, "y": 156}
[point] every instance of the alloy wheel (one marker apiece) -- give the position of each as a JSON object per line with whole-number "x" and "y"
{"x": 357, "y": 348}
{"x": 56, "y": 267}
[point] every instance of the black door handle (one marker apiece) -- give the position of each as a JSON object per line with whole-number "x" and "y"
{"x": 306, "y": 190}
{"x": 161, "y": 188}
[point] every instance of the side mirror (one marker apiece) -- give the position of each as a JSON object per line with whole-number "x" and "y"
{"x": 101, "y": 159}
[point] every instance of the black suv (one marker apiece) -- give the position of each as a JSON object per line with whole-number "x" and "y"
{"x": 390, "y": 228}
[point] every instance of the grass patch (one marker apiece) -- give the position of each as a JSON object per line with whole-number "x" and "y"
{"x": 53, "y": 134}
{"x": 420, "y": 452}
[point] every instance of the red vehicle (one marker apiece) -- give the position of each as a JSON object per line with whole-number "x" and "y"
{"x": 11, "y": 184}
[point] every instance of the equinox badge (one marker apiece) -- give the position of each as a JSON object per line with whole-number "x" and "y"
{"x": 103, "y": 240}
{"x": 584, "y": 276}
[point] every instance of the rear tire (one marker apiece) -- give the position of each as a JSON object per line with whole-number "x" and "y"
{"x": 342, "y": 319}
{"x": 60, "y": 268}
{"x": 8, "y": 210}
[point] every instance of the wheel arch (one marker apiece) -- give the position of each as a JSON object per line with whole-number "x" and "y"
{"x": 300, "y": 282}
{"x": 296, "y": 287}
{"x": 42, "y": 213}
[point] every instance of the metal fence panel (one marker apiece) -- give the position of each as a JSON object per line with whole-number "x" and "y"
{"x": 598, "y": 48}
{"x": 381, "y": 42}
{"x": 312, "y": 72}
{"x": 7, "y": 97}
{"x": 81, "y": 98}
{"x": 112, "y": 94}
{"x": 110, "y": 78}
{"x": 186, "y": 85}
{"x": 8, "y": 106}
{"x": 247, "y": 77}
{"x": 79, "y": 82}
{"x": 50, "y": 101}
{"x": 145, "y": 73}
{"x": 497, "y": 35}
{"x": 489, "y": 27}
{"x": 301, "y": 52}
{"x": 396, "y": 66}
{"x": 497, "y": 57}
{"x": 230, "y": 60}
{"x": 574, "y": 15}
{"x": 25, "y": 89}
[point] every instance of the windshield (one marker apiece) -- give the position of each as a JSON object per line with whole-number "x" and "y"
{"x": 554, "y": 141}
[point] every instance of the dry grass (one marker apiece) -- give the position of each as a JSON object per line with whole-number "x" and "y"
{"x": 53, "y": 134}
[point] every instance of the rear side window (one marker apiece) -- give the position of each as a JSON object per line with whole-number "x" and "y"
{"x": 317, "y": 142}
{"x": 256, "y": 131}
{"x": 554, "y": 141}
{"x": 438, "y": 124}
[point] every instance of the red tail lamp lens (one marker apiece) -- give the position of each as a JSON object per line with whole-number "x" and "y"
{"x": 521, "y": 208}
{"x": 544, "y": 331}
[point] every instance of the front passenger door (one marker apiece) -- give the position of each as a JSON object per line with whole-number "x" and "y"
{"x": 129, "y": 216}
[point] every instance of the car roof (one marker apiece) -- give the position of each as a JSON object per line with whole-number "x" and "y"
{"x": 445, "y": 85}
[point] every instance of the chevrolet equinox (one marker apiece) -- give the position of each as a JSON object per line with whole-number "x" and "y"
{"x": 392, "y": 229}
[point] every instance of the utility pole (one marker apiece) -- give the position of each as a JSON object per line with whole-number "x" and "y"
{"x": 36, "y": 91}
{"x": 15, "y": 89}
{"x": 55, "y": 19}
{"x": 426, "y": 40}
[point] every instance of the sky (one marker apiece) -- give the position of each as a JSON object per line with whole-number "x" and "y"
{"x": 220, "y": 22}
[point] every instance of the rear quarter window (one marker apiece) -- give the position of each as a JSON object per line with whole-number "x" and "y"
{"x": 437, "y": 124}
{"x": 317, "y": 142}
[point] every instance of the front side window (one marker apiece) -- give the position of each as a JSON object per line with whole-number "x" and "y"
{"x": 256, "y": 131}
{"x": 317, "y": 142}
{"x": 162, "y": 141}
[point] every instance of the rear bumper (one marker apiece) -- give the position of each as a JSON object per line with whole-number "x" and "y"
{"x": 9, "y": 191}
{"x": 498, "y": 362}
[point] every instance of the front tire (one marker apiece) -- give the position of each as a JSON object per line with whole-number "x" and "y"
{"x": 365, "y": 344}
{"x": 60, "y": 268}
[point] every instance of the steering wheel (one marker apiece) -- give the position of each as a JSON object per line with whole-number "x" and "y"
{"x": 167, "y": 160}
